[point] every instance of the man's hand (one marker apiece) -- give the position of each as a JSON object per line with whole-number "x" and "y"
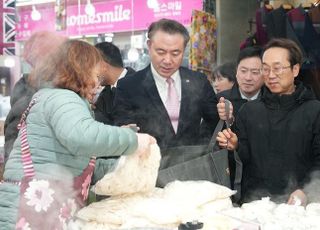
{"x": 221, "y": 107}
{"x": 227, "y": 139}
{"x": 298, "y": 197}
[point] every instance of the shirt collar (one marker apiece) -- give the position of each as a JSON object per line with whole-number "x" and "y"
{"x": 254, "y": 97}
{"x": 158, "y": 77}
{"x": 122, "y": 75}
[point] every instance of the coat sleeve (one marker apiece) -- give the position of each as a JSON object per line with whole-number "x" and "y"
{"x": 209, "y": 107}
{"x": 310, "y": 184}
{"x": 76, "y": 129}
{"x": 315, "y": 167}
{"x": 243, "y": 142}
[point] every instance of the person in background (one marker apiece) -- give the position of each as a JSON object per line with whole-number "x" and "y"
{"x": 164, "y": 99}
{"x": 61, "y": 132}
{"x": 36, "y": 48}
{"x": 223, "y": 77}
{"x": 278, "y": 135}
{"x": 248, "y": 85}
{"x": 113, "y": 70}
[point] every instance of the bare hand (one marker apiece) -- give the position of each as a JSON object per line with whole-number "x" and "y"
{"x": 144, "y": 143}
{"x": 298, "y": 197}
{"x": 221, "y": 107}
{"x": 227, "y": 139}
{"x": 134, "y": 127}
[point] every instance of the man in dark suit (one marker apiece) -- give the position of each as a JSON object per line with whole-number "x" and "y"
{"x": 113, "y": 71}
{"x": 248, "y": 84}
{"x": 164, "y": 99}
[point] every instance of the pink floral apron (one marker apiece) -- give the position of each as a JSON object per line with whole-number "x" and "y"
{"x": 46, "y": 203}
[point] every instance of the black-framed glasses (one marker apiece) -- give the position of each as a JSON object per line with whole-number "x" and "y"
{"x": 276, "y": 69}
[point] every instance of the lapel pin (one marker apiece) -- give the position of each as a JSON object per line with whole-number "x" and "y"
{"x": 187, "y": 80}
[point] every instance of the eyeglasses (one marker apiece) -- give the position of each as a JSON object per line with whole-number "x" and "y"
{"x": 276, "y": 69}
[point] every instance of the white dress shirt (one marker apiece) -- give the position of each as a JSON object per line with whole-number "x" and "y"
{"x": 249, "y": 98}
{"x": 122, "y": 75}
{"x": 162, "y": 85}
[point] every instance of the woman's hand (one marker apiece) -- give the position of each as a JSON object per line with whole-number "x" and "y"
{"x": 227, "y": 139}
{"x": 134, "y": 127}
{"x": 298, "y": 197}
{"x": 144, "y": 143}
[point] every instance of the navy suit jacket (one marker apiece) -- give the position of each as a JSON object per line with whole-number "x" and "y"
{"x": 137, "y": 101}
{"x": 104, "y": 104}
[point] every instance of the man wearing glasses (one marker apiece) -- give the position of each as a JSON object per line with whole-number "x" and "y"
{"x": 278, "y": 135}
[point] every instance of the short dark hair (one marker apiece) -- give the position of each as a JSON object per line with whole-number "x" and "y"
{"x": 226, "y": 70}
{"x": 110, "y": 53}
{"x": 295, "y": 54}
{"x": 169, "y": 26}
{"x": 249, "y": 52}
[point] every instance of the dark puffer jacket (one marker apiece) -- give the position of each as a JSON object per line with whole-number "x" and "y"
{"x": 279, "y": 143}
{"x": 20, "y": 99}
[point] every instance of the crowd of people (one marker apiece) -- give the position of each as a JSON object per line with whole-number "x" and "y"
{"x": 79, "y": 108}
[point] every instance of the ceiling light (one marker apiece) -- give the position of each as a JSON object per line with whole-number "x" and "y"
{"x": 133, "y": 55}
{"x": 89, "y": 8}
{"x": 9, "y": 62}
{"x": 153, "y": 4}
{"x": 35, "y": 14}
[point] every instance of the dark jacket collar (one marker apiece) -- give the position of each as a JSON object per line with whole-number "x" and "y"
{"x": 231, "y": 94}
{"x": 234, "y": 94}
{"x": 299, "y": 96}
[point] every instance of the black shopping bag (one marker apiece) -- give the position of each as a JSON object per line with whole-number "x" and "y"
{"x": 201, "y": 162}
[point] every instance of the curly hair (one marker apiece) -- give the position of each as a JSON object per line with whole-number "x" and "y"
{"x": 71, "y": 67}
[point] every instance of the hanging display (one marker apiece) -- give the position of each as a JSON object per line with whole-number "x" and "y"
{"x": 203, "y": 41}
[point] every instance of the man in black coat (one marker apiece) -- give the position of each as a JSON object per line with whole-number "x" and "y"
{"x": 143, "y": 98}
{"x": 113, "y": 71}
{"x": 248, "y": 84}
{"x": 278, "y": 135}
{"x": 247, "y": 88}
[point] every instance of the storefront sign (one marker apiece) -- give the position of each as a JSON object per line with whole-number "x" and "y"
{"x": 109, "y": 17}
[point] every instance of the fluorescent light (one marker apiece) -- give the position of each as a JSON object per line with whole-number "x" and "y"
{"x": 32, "y": 2}
{"x": 91, "y": 35}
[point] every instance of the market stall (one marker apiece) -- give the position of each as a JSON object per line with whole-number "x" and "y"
{"x": 135, "y": 203}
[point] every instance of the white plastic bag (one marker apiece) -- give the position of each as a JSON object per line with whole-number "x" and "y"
{"x": 131, "y": 175}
